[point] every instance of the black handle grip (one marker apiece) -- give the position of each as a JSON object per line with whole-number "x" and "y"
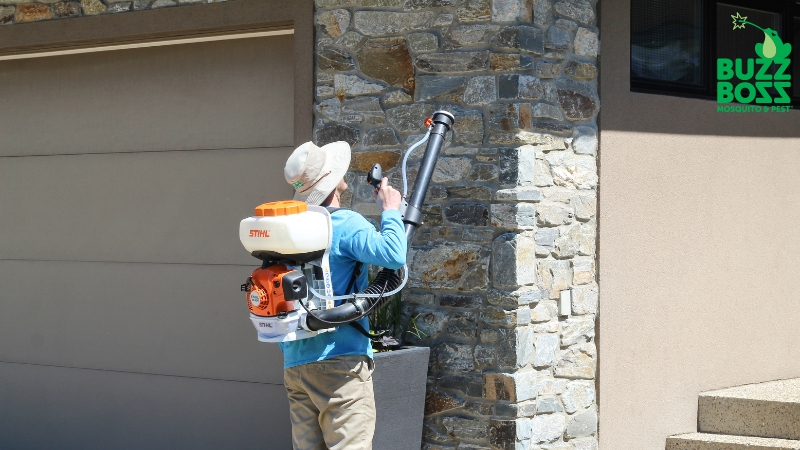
{"x": 375, "y": 176}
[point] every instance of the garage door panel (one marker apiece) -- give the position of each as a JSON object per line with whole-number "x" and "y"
{"x": 63, "y": 408}
{"x": 174, "y": 319}
{"x": 225, "y": 94}
{"x": 166, "y": 207}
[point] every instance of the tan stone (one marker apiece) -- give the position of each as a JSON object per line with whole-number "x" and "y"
{"x": 578, "y": 362}
{"x": 387, "y": 59}
{"x": 92, "y": 7}
{"x": 436, "y": 402}
{"x": 32, "y": 12}
{"x": 503, "y": 61}
{"x": 363, "y": 162}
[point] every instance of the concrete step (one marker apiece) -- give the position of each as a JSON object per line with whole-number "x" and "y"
{"x": 767, "y": 410}
{"x": 703, "y": 441}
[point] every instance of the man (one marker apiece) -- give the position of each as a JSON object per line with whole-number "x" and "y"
{"x": 329, "y": 377}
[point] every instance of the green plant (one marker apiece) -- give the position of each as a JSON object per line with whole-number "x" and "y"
{"x": 385, "y": 325}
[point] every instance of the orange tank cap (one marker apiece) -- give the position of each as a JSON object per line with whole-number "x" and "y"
{"x": 281, "y": 208}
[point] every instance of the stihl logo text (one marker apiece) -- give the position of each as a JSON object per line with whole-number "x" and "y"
{"x": 259, "y": 233}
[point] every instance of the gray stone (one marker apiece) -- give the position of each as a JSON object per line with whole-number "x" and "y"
{"x": 576, "y": 240}
{"x": 586, "y": 43}
{"x": 518, "y": 194}
{"x": 352, "y": 85}
{"x": 62, "y": 9}
{"x": 366, "y": 110}
{"x": 330, "y": 108}
{"x": 453, "y": 62}
{"x": 541, "y": 141}
{"x": 542, "y": 12}
{"x": 440, "y": 87}
{"x": 434, "y": 431}
{"x": 547, "y": 327}
{"x": 552, "y": 126}
{"x": 396, "y": 98}
{"x": 380, "y": 137}
{"x": 480, "y": 90}
{"x": 508, "y": 86}
{"x": 507, "y": 38}
{"x": 521, "y": 216}
{"x": 351, "y": 39}
{"x": 542, "y": 173}
{"x": 577, "y": 330}
{"x": 545, "y": 350}
{"x": 554, "y": 276}
{"x": 573, "y": 171}
{"x": 566, "y": 24}
{"x": 530, "y": 87}
{"x": 474, "y": 11}
{"x": 465, "y": 428}
{"x": 495, "y": 316}
{"x": 578, "y": 362}
{"x": 388, "y": 60}
{"x": 139, "y": 5}
{"x": 548, "y": 405}
{"x": 460, "y": 301}
{"x": 511, "y": 434}
{"x": 548, "y": 70}
{"x": 505, "y": 10}
{"x": 543, "y": 110}
{"x": 468, "y": 128}
{"x": 549, "y": 386}
{"x": 474, "y": 214}
{"x": 580, "y": 71}
{"x": 336, "y": 3}
{"x": 472, "y": 192}
{"x": 422, "y": 4}
{"x": 583, "y": 424}
{"x": 577, "y": 100}
{"x": 407, "y": 118}
{"x": 584, "y": 300}
{"x": 531, "y": 39}
{"x": 324, "y": 91}
{"x": 585, "y": 140}
{"x": 372, "y": 23}
{"x": 336, "y": 132}
{"x": 449, "y": 169}
{"x": 471, "y": 34}
{"x": 578, "y": 395}
{"x": 330, "y": 58}
{"x": 334, "y": 22}
{"x": 517, "y": 166}
{"x": 509, "y": 116}
{"x": 585, "y": 444}
{"x": 547, "y": 428}
{"x": 558, "y": 39}
{"x": 423, "y": 42}
{"x": 429, "y": 322}
{"x": 583, "y": 271}
{"x": 443, "y": 20}
{"x": 545, "y": 240}
{"x": 443, "y": 267}
{"x": 465, "y": 383}
{"x": 511, "y": 387}
{"x": 119, "y": 7}
{"x": 485, "y": 355}
{"x": 451, "y": 357}
{"x": 514, "y": 348}
{"x": 553, "y": 214}
{"x": 382, "y": 3}
{"x": 519, "y": 297}
{"x": 7, "y": 14}
{"x": 580, "y": 11}
{"x": 479, "y": 235}
{"x": 513, "y": 260}
{"x": 483, "y": 172}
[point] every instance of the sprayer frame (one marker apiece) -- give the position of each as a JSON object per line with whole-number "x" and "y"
{"x": 355, "y": 309}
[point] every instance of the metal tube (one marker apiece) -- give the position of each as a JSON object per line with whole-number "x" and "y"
{"x": 442, "y": 121}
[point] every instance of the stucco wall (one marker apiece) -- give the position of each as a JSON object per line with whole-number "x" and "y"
{"x": 698, "y": 251}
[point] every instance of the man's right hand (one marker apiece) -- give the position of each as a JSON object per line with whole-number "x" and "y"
{"x": 388, "y": 197}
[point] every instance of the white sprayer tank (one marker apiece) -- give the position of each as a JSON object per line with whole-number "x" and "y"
{"x": 287, "y": 227}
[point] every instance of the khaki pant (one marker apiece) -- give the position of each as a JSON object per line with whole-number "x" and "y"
{"x": 331, "y": 404}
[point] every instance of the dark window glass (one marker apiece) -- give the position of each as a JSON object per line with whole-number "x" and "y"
{"x": 794, "y": 57}
{"x": 666, "y": 41}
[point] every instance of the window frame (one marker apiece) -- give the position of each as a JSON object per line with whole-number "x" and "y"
{"x": 788, "y": 9}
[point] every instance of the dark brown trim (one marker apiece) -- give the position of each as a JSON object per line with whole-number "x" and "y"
{"x": 234, "y": 16}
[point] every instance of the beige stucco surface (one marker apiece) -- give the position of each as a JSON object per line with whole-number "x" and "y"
{"x": 699, "y": 251}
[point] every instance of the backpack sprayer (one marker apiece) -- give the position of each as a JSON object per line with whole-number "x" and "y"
{"x": 290, "y": 297}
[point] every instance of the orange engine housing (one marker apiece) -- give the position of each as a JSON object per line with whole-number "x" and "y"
{"x": 266, "y": 296}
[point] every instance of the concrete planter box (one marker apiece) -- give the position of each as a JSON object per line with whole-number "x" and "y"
{"x": 399, "y": 381}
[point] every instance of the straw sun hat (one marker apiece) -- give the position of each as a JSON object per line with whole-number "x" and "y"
{"x": 314, "y": 172}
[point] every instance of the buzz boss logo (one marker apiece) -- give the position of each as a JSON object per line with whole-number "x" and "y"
{"x": 752, "y": 80}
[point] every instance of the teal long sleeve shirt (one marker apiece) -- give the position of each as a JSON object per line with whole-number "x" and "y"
{"x": 354, "y": 240}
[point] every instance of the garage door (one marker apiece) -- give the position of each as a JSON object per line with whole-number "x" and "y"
{"x": 123, "y": 177}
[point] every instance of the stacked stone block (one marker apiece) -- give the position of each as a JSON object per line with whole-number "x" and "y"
{"x": 21, "y": 11}
{"x": 510, "y": 217}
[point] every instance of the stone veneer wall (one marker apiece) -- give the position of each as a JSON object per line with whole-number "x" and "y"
{"x": 510, "y": 219}
{"x": 21, "y": 11}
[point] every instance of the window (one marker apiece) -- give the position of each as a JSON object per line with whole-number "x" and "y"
{"x": 675, "y": 43}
